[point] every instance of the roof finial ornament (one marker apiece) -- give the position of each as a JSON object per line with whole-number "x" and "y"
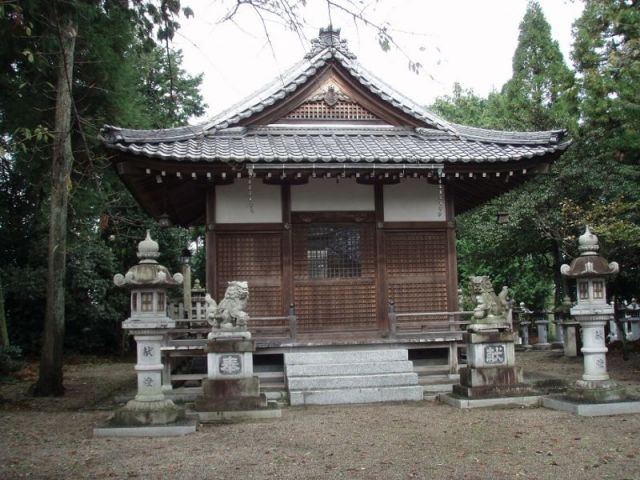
{"x": 329, "y": 39}
{"x": 588, "y": 243}
{"x": 148, "y": 250}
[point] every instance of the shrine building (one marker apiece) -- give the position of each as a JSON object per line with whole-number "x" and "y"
{"x": 330, "y": 191}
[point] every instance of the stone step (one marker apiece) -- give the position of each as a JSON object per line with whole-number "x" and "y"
{"x": 345, "y": 356}
{"x": 352, "y": 381}
{"x": 309, "y": 370}
{"x": 436, "y": 379}
{"x": 272, "y": 387}
{"x": 430, "y": 369}
{"x": 265, "y": 376}
{"x": 438, "y": 388}
{"x": 356, "y": 395}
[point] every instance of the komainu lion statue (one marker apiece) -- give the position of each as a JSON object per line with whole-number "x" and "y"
{"x": 491, "y": 310}
{"x": 230, "y": 313}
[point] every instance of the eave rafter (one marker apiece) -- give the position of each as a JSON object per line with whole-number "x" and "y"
{"x": 178, "y": 189}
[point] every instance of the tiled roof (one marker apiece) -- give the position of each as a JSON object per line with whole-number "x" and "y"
{"x": 217, "y": 140}
{"x": 357, "y": 144}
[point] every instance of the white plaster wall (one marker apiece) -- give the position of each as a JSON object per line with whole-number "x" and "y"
{"x": 325, "y": 195}
{"x": 232, "y": 203}
{"x": 412, "y": 200}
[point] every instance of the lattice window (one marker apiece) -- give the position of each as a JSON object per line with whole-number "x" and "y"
{"x": 598, "y": 290}
{"x": 321, "y": 111}
{"x": 147, "y": 301}
{"x": 254, "y": 257}
{"x": 583, "y": 289}
{"x": 416, "y": 266}
{"x": 160, "y": 302}
{"x": 333, "y": 251}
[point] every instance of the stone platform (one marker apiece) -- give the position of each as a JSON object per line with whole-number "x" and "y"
{"x": 557, "y": 402}
{"x": 183, "y": 427}
{"x": 460, "y": 402}
{"x": 232, "y": 416}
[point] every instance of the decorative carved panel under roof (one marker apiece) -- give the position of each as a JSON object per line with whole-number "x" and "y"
{"x": 330, "y": 103}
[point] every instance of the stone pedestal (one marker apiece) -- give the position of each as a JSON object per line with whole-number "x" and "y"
{"x": 230, "y": 383}
{"x": 491, "y": 370}
{"x": 524, "y": 335}
{"x": 570, "y": 339}
{"x": 634, "y": 333}
{"x": 543, "y": 342}
{"x": 558, "y": 342}
{"x": 149, "y": 407}
{"x": 595, "y": 385}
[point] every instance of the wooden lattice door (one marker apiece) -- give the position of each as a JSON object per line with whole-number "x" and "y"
{"x": 416, "y": 270}
{"x": 334, "y": 277}
{"x": 256, "y": 258}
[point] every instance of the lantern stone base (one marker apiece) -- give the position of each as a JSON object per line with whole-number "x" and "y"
{"x": 491, "y": 370}
{"x": 139, "y": 413}
{"x": 161, "y": 418}
{"x": 596, "y": 391}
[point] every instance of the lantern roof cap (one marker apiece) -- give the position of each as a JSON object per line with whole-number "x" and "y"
{"x": 148, "y": 272}
{"x": 589, "y": 263}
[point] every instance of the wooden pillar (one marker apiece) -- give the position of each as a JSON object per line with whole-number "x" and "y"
{"x": 287, "y": 249}
{"x": 452, "y": 257}
{"x": 381, "y": 279}
{"x": 210, "y": 225}
{"x": 452, "y": 277}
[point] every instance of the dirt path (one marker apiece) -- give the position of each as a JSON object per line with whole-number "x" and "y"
{"x": 52, "y": 439}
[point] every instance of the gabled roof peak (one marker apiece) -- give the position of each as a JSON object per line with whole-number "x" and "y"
{"x": 329, "y": 38}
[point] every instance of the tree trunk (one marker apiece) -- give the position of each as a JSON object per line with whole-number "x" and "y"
{"x": 50, "y": 379}
{"x": 4, "y": 334}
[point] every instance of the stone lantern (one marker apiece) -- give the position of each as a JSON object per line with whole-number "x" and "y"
{"x": 148, "y": 282}
{"x": 592, "y": 312}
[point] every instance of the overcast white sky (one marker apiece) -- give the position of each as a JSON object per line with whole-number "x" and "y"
{"x": 469, "y": 41}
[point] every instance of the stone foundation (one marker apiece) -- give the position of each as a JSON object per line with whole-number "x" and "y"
{"x": 230, "y": 395}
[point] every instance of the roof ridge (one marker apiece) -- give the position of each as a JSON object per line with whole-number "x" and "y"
{"x": 503, "y": 136}
{"x": 327, "y": 46}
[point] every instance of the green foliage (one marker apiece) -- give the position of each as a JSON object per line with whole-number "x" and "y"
{"x": 121, "y": 77}
{"x": 541, "y": 94}
{"x": 594, "y": 183}
{"x": 170, "y": 95}
{"x": 607, "y": 56}
{"x": 463, "y": 107}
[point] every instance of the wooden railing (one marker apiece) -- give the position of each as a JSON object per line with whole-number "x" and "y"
{"x": 194, "y": 326}
{"x": 431, "y": 324}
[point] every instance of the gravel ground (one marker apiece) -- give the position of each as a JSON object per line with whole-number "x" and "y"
{"x": 44, "y": 438}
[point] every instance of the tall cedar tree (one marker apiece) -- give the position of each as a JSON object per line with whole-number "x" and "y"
{"x": 540, "y": 95}
{"x": 102, "y": 83}
{"x": 50, "y": 376}
{"x": 607, "y": 57}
